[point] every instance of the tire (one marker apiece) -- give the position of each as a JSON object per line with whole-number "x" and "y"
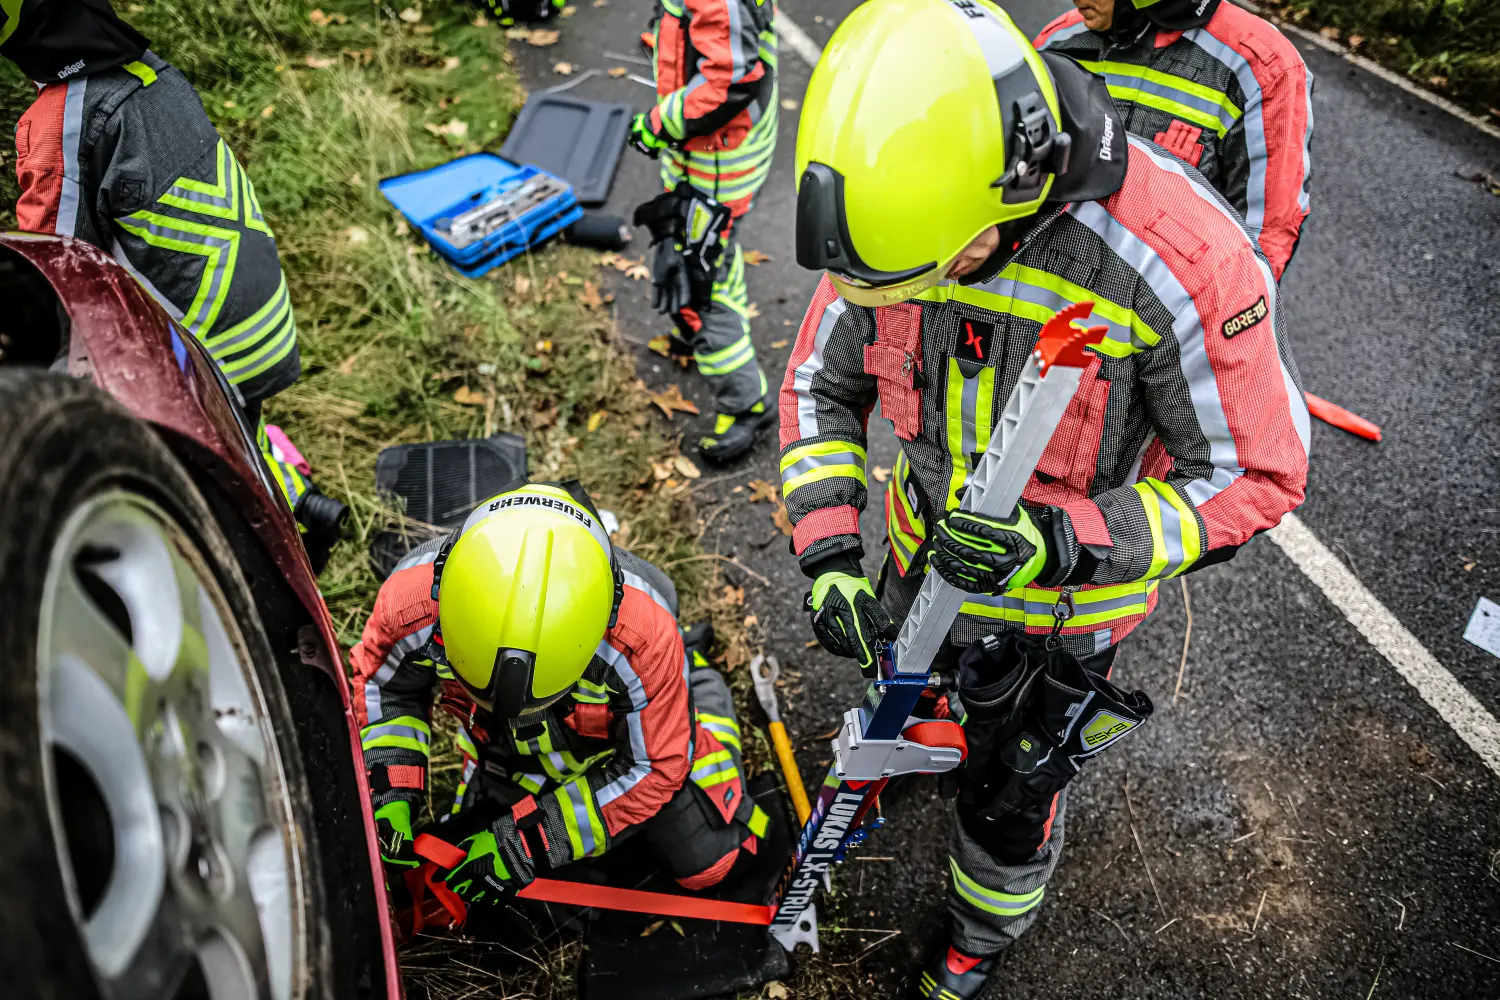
{"x": 166, "y": 855}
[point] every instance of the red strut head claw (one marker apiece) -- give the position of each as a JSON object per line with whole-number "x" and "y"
{"x": 1062, "y": 343}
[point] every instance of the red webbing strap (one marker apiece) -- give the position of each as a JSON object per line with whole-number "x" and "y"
{"x": 664, "y": 904}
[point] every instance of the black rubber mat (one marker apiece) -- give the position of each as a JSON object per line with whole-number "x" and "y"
{"x": 691, "y": 959}
{"x": 576, "y": 139}
{"x": 438, "y": 483}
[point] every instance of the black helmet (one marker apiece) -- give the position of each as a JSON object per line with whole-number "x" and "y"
{"x": 55, "y": 40}
{"x": 1177, "y": 15}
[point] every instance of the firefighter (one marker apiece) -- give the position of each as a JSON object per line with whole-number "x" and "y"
{"x": 959, "y": 189}
{"x": 117, "y": 151}
{"x": 714, "y": 131}
{"x": 1214, "y": 85}
{"x": 582, "y": 720}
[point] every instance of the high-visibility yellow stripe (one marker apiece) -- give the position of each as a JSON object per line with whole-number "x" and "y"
{"x": 141, "y": 72}
{"x": 1002, "y": 904}
{"x": 1192, "y": 541}
{"x": 1151, "y": 501}
{"x": 1182, "y": 84}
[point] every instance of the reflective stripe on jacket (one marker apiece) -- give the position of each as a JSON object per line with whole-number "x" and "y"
{"x": 594, "y": 772}
{"x": 1233, "y": 98}
{"x": 1188, "y": 433}
{"x": 716, "y": 87}
{"x": 127, "y": 160}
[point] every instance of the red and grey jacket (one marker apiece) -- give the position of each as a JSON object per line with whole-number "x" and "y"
{"x": 1232, "y": 97}
{"x": 1187, "y": 436}
{"x": 127, "y": 160}
{"x": 606, "y": 757}
{"x": 712, "y": 83}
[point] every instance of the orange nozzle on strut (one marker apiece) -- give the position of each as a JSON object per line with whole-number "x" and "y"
{"x": 1062, "y": 343}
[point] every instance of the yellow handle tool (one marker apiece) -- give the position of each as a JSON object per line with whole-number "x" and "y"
{"x": 765, "y": 671}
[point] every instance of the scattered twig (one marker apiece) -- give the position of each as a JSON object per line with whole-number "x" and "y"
{"x": 862, "y": 930}
{"x": 622, "y": 57}
{"x": 1402, "y": 922}
{"x": 860, "y": 857}
{"x": 1113, "y": 923}
{"x": 1377, "y": 979}
{"x": 1141, "y": 850}
{"x": 1471, "y": 951}
{"x": 1169, "y": 923}
{"x": 1263, "y": 894}
{"x": 714, "y": 555}
{"x": 1297, "y": 840}
{"x": 1244, "y": 836}
{"x": 1433, "y": 780}
{"x": 1186, "y": 638}
{"x": 868, "y": 949}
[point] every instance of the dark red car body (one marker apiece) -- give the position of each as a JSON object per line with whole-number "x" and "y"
{"x": 129, "y": 347}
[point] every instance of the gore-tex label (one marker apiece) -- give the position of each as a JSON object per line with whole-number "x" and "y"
{"x": 1242, "y": 321}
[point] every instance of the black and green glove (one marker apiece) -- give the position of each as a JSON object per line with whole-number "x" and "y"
{"x": 496, "y": 867}
{"x": 989, "y": 555}
{"x": 848, "y": 620}
{"x": 644, "y": 138}
{"x": 393, "y": 829}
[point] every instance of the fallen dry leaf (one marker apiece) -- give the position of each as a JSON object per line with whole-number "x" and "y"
{"x": 542, "y": 419}
{"x": 590, "y": 298}
{"x": 468, "y": 397}
{"x": 456, "y": 128}
{"x": 346, "y": 367}
{"x": 652, "y": 928}
{"x": 660, "y": 345}
{"x": 569, "y": 11}
{"x": 543, "y": 346}
{"x": 410, "y": 15}
{"x": 596, "y": 420}
{"x": 319, "y": 62}
{"x": 881, "y": 473}
{"x": 762, "y": 490}
{"x": 1355, "y": 41}
{"x": 685, "y": 467}
{"x": 480, "y": 21}
{"x": 789, "y": 104}
{"x": 755, "y": 258}
{"x": 357, "y": 234}
{"x": 782, "y": 519}
{"x": 733, "y": 595}
{"x": 776, "y": 991}
{"x": 563, "y": 68}
{"x": 753, "y": 311}
{"x": 751, "y": 621}
{"x": 522, "y": 284}
{"x": 452, "y": 63}
{"x": 323, "y": 20}
{"x": 637, "y": 272}
{"x": 779, "y": 344}
{"x": 230, "y": 104}
{"x": 671, "y": 401}
{"x": 661, "y": 470}
{"x": 516, "y": 34}
{"x": 600, "y": 3}
{"x": 540, "y": 38}
{"x": 618, "y": 72}
{"x": 268, "y": 111}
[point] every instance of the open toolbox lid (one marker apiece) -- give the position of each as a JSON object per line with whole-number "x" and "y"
{"x": 573, "y": 138}
{"x": 432, "y": 199}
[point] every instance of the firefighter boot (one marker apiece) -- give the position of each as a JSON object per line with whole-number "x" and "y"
{"x": 736, "y": 433}
{"x": 953, "y": 976}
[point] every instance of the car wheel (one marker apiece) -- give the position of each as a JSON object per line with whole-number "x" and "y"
{"x": 151, "y": 801}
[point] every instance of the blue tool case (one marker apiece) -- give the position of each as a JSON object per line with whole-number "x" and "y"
{"x": 479, "y": 211}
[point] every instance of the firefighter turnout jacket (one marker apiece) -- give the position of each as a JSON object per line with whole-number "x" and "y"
{"x": 610, "y": 755}
{"x": 1187, "y": 435}
{"x": 715, "y": 65}
{"x": 1233, "y": 98}
{"x": 127, "y": 160}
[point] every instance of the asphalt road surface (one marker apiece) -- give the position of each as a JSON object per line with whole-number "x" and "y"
{"x": 1301, "y": 821}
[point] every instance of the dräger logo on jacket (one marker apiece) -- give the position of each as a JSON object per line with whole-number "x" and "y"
{"x": 1242, "y": 321}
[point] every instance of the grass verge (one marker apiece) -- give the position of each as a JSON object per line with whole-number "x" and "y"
{"x": 1452, "y": 46}
{"x": 319, "y": 104}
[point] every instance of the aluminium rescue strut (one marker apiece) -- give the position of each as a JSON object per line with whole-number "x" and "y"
{"x": 879, "y": 739}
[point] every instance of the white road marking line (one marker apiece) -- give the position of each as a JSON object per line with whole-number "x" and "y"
{"x": 796, "y": 39}
{"x": 1440, "y": 689}
{"x": 1369, "y": 66}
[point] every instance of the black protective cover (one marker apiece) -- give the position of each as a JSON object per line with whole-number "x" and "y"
{"x": 576, "y": 139}
{"x": 709, "y": 958}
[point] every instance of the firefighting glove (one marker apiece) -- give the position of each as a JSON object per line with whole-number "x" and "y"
{"x": 393, "y": 830}
{"x": 496, "y": 866}
{"x": 688, "y": 230}
{"x": 511, "y": 11}
{"x": 988, "y": 555}
{"x": 848, "y": 619}
{"x": 1069, "y": 715}
{"x": 644, "y": 138}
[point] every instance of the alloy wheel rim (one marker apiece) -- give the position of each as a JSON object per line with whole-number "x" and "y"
{"x": 166, "y": 792}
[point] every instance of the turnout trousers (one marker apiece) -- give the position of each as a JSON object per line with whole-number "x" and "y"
{"x": 990, "y": 903}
